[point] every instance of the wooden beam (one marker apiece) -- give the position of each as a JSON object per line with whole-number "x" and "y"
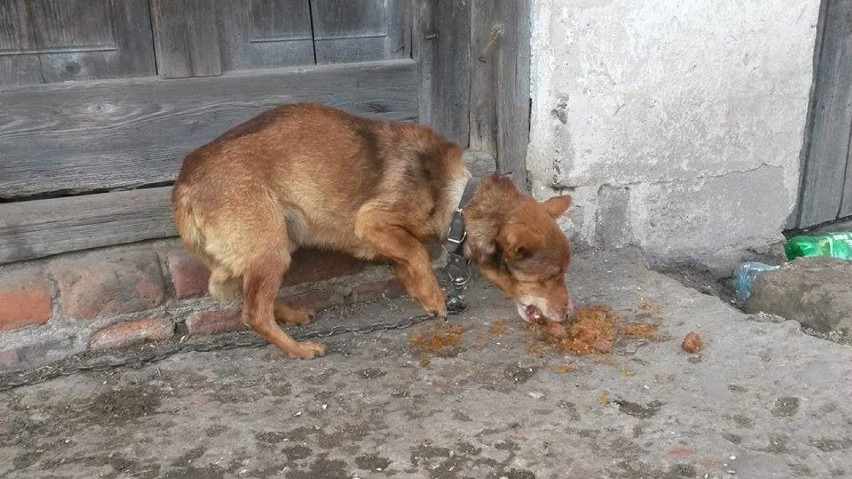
{"x": 39, "y": 228}
{"x": 500, "y": 83}
{"x": 119, "y": 134}
{"x": 824, "y": 172}
{"x": 441, "y": 46}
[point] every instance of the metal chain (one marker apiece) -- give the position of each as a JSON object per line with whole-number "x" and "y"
{"x": 459, "y": 278}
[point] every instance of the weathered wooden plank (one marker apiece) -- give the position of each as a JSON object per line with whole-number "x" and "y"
{"x": 269, "y": 34}
{"x": 479, "y": 163}
{"x": 513, "y": 91}
{"x": 39, "y": 228}
{"x": 63, "y": 24}
{"x": 359, "y": 30}
{"x": 441, "y": 46}
{"x": 280, "y": 20}
{"x": 486, "y": 32}
{"x": 87, "y": 40}
{"x": 499, "y": 109}
{"x": 825, "y": 164}
{"x": 105, "y": 135}
{"x": 18, "y": 50}
{"x": 793, "y": 220}
{"x": 186, "y": 38}
{"x": 35, "y": 229}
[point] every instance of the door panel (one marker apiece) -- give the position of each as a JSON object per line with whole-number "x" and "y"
{"x": 265, "y": 34}
{"x": 358, "y": 30}
{"x": 44, "y": 41}
{"x": 18, "y": 65}
{"x": 186, "y": 38}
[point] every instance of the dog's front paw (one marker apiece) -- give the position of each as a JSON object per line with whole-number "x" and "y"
{"x": 435, "y": 304}
{"x": 307, "y": 350}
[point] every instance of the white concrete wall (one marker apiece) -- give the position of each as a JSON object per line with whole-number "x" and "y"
{"x": 677, "y": 124}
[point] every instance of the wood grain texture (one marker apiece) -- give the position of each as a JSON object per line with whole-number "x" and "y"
{"x": 186, "y": 38}
{"x": 67, "y": 24}
{"x": 264, "y": 34}
{"x": 486, "y": 30}
{"x": 513, "y": 92}
{"x": 39, "y": 228}
{"x": 825, "y": 167}
{"x": 106, "y": 135}
{"x": 66, "y": 40}
{"x": 19, "y": 62}
{"x": 35, "y": 229}
{"x": 499, "y": 98}
{"x": 359, "y": 30}
{"x": 441, "y": 45}
{"x": 793, "y": 220}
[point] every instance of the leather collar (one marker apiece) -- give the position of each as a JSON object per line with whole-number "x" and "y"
{"x": 457, "y": 233}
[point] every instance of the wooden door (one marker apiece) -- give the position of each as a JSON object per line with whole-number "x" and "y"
{"x": 101, "y": 96}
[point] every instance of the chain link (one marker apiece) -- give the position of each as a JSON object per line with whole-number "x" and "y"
{"x": 459, "y": 277}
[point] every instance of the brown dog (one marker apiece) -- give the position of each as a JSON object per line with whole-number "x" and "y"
{"x": 310, "y": 175}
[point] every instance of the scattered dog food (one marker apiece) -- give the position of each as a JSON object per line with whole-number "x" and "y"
{"x": 692, "y": 343}
{"x": 556, "y": 330}
{"x": 442, "y": 336}
{"x": 592, "y": 332}
{"x": 595, "y": 331}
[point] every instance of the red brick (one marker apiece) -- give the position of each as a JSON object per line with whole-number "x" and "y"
{"x": 125, "y": 334}
{"x": 107, "y": 284}
{"x": 189, "y": 275}
{"x": 24, "y": 299}
{"x": 215, "y": 322}
{"x": 312, "y": 265}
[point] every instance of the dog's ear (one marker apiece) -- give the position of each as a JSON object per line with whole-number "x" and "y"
{"x": 518, "y": 242}
{"x": 557, "y": 206}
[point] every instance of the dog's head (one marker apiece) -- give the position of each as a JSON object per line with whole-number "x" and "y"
{"x": 516, "y": 243}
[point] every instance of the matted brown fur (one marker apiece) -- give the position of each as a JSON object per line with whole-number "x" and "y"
{"x": 310, "y": 175}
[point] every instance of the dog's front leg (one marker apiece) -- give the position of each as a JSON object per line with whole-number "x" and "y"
{"x": 411, "y": 262}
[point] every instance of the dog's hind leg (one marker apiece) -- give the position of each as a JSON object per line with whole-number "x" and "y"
{"x": 261, "y": 280}
{"x": 253, "y": 245}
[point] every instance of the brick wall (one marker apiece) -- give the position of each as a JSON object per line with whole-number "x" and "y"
{"x": 122, "y": 296}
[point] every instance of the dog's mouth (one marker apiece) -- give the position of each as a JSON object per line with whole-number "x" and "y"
{"x": 530, "y": 313}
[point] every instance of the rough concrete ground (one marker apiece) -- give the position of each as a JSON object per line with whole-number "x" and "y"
{"x": 763, "y": 400}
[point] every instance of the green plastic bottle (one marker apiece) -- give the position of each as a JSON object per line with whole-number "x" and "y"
{"x": 837, "y": 245}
